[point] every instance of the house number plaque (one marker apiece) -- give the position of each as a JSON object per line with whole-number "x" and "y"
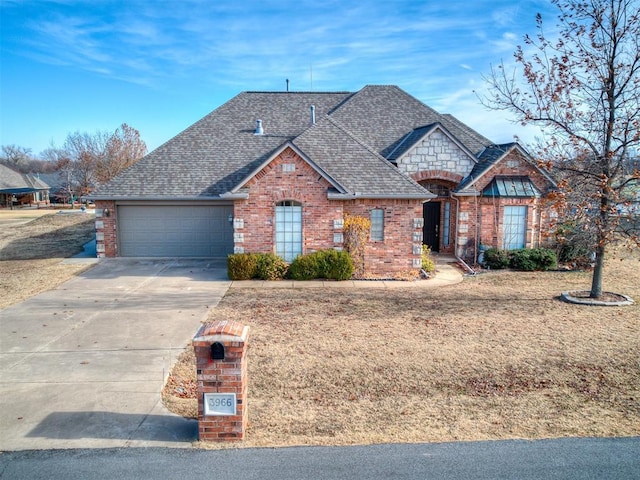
{"x": 219, "y": 403}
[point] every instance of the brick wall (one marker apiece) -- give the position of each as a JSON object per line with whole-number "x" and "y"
{"x": 106, "y": 235}
{"x": 481, "y": 217}
{"x": 227, "y": 375}
{"x": 394, "y": 255}
{"x": 289, "y": 177}
{"x": 276, "y": 183}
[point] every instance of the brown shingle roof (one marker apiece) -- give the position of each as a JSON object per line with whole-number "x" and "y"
{"x": 353, "y": 132}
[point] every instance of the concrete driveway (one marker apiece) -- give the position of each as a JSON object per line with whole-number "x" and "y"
{"x": 83, "y": 365}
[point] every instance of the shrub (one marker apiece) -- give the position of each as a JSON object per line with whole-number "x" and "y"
{"x": 546, "y": 258}
{"x": 330, "y": 264}
{"x": 337, "y": 265}
{"x": 428, "y": 265}
{"x": 530, "y": 259}
{"x": 496, "y": 259}
{"x": 522, "y": 260}
{"x": 242, "y": 266}
{"x": 270, "y": 267}
{"x": 304, "y": 267}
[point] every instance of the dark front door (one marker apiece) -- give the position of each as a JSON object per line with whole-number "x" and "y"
{"x": 431, "y": 230}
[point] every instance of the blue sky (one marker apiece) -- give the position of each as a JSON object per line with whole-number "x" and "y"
{"x": 159, "y": 66}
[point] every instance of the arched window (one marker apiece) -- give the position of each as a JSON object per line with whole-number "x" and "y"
{"x": 288, "y": 229}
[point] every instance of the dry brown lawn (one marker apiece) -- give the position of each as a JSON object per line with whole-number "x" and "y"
{"x": 31, "y": 253}
{"x": 498, "y": 356}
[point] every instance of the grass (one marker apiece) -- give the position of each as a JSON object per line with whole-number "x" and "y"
{"x": 31, "y": 253}
{"x": 495, "y": 357}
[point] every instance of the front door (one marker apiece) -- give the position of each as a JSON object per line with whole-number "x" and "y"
{"x": 431, "y": 230}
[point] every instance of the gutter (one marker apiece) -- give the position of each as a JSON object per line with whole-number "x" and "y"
{"x": 469, "y": 270}
{"x": 353, "y": 196}
{"x": 154, "y": 198}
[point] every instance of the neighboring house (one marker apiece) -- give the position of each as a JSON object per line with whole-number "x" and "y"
{"x": 277, "y": 172}
{"x": 21, "y": 188}
{"x": 58, "y": 192}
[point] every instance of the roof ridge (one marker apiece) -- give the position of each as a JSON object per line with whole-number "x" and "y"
{"x": 297, "y": 92}
{"x": 380, "y": 158}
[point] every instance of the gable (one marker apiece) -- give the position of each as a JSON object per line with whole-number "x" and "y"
{"x": 508, "y": 160}
{"x": 288, "y": 176}
{"x": 358, "y": 169}
{"x": 278, "y": 160}
{"x": 436, "y": 150}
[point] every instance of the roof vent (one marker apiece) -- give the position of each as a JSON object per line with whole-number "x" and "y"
{"x": 259, "y": 130}
{"x": 313, "y": 114}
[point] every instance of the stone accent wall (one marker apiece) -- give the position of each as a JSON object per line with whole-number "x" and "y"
{"x": 436, "y": 152}
{"x": 106, "y": 235}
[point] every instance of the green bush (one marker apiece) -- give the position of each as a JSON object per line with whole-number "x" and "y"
{"x": 242, "y": 266}
{"x": 336, "y": 265}
{"x": 330, "y": 264}
{"x": 304, "y": 267}
{"x": 530, "y": 259}
{"x": 496, "y": 259}
{"x": 271, "y": 267}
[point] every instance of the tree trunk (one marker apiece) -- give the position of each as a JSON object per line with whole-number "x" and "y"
{"x": 598, "y": 271}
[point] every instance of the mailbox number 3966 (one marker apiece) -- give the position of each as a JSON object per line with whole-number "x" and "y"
{"x": 220, "y": 402}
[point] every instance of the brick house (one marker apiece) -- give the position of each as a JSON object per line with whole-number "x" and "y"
{"x": 277, "y": 172}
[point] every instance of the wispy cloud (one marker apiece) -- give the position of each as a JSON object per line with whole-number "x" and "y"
{"x": 437, "y": 51}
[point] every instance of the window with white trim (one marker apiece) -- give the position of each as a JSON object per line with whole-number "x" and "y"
{"x": 288, "y": 229}
{"x": 377, "y": 225}
{"x": 514, "y": 227}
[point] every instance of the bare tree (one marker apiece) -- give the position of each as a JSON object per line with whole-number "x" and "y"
{"x": 583, "y": 89}
{"x": 89, "y": 159}
{"x": 123, "y": 148}
{"x": 86, "y": 151}
{"x": 16, "y": 157}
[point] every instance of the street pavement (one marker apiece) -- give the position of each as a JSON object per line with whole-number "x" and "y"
{"x": 566, "y": 459}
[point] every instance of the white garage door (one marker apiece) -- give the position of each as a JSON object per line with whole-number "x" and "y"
{"x": 174, "y": 231}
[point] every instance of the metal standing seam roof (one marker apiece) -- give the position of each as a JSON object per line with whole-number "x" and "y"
{"x": 214, "y": 155}
{"x": 514, "y": 187}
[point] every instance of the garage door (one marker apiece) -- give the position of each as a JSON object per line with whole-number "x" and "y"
{"x": 174, "y": 231}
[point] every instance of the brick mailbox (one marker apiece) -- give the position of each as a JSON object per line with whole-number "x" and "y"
{"x": 221, "y": 349}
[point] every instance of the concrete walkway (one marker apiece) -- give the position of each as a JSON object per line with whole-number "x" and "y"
{"x": 83, "y": 365}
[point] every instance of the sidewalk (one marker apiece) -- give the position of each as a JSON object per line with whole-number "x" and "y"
{"x": 447, "y": 273}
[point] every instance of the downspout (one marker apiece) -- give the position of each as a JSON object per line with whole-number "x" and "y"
{"x": 470, "y": 270}
{"x": 539, "y": 208}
